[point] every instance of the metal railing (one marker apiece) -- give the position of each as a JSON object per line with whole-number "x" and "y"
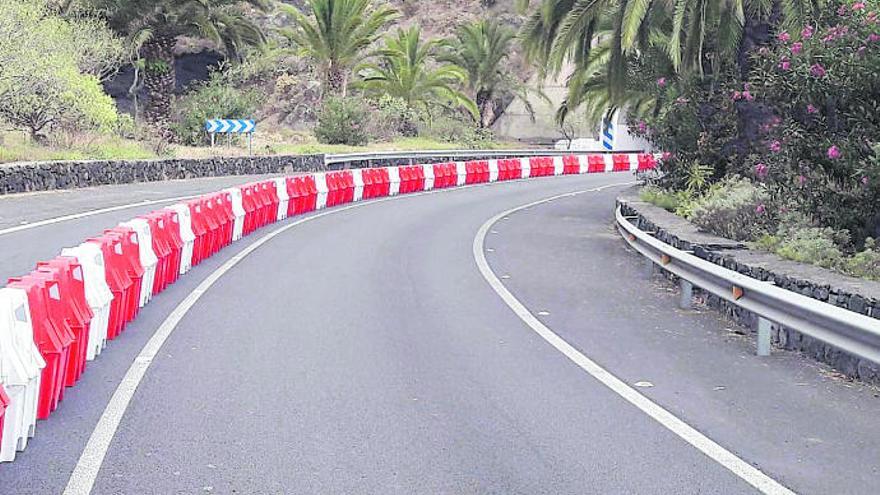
{"x": 846, "y": 330}
{"x": 413, "y": 157}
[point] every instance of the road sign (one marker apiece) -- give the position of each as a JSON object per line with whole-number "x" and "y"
{"x": 230, "y": 126}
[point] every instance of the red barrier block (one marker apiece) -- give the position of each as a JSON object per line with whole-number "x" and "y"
{"x": 509, "y": 169}
{"x": 127, "y": 238}
{"x": 595, "y": 164}
{"x": 571, "y": 164}
{"x": 200, "y": 230}
{"x": 117, "y": 279}
{"x": 621, "y": 163}
{"x": 162, "y": 250}
{"x": 52, "y": 336}
{"x": 68, "y": 273}
{"x": 541, "y": 166}
{"x": 477, "y": 172}
{"x": 647, "y": 162}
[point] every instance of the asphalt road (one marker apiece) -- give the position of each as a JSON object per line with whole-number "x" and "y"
{"x": 363, "y": 352}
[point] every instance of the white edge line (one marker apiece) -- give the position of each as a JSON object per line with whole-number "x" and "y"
{"x": 90, "y": 213}
{"x": 704, "y": 444}
{"x": 85, "y": 473}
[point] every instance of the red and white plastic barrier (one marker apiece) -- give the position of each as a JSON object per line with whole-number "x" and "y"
{"x": 61, "y": 315}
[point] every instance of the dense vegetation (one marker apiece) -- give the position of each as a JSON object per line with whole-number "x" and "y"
{"x": 767, "y": 112}
{"x": 315, "y": 71}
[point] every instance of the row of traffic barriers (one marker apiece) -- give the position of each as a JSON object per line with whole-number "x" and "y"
{"x": 60, "y": 316}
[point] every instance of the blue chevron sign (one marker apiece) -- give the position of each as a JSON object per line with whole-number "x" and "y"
{"x": 607, "y": 134}
{"x": 228, "y": 126}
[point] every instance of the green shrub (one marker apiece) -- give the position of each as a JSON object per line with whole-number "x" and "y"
{"x": 812, "y": 245}
{"x": 459, "y": 130}
{"x": 393, "y": 118}
{"x": 866, "y": 263}
{"x": 734, "y": 208}
{"x": 216, "y": 98}
{"x": 343, "y": 121}
{"x": 662, "y": 198}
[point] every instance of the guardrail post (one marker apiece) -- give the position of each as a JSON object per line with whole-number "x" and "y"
{"x": 649, "y": 268}
{"x": 687, "y": 294}
{"x": 764, "y": 327}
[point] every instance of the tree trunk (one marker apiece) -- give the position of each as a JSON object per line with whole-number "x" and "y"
{"x": 335, "y": 80}
{"x": 159, "y": 79}
{"x": 485, "y": 106}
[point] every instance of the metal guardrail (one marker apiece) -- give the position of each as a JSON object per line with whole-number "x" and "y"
{"x": 412, "y": 157}
{"x": 846, "y": 330}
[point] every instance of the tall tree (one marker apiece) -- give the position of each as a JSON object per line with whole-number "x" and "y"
{"x": 482, "y": 48}
{"x": 153, "y": 27}
{"x": 336, "y": 35}
{"x": 403, "y": 70}
{"x": 689, "y": 33}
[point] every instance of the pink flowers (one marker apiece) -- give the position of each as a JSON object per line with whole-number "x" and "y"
{"x": 834, "y": 152}
{"x": 816, "y": 70}
{"x": 841, "y": 11}
{"x": 802, "y": 180}
{"x": 642, "y": 126}
{"x": 783, "y": 37}
{"x": 761, "y": 170}
{"x": 785, "y": 64}
{"x": 661, "y": 82}
{"x": 807, "y": 32}
{"x": 864, "y": 180}
{"x": 873, "y": 37}
{"x": 736, "y": 96}
{"x": 666, "y": 156}
{"x": 760, "y": 209}
{"x": 796, "y": 48}
{"x": 811, "y": 109}
{"x": 858, "y": 6}
{"x": 775, "y": 146}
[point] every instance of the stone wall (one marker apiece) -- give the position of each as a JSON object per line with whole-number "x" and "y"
{"x": 44, "y": 176}
{"x": 850, "y": 293}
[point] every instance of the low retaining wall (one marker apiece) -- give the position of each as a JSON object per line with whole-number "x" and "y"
{"x": 44, "y": 176}
{"x": 860, "y": 296}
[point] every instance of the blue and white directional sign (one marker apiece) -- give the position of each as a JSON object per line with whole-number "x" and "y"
{"x": 229, "y": 126}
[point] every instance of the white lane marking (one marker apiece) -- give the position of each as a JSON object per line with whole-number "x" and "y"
{"x": 85, "y": 473}
{"x": 90, "y": 213}
{"x": 704, "y": 444}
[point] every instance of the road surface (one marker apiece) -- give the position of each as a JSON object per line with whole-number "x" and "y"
{"x": 365, "y": 352}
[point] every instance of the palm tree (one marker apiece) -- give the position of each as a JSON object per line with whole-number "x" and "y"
{"x": 336, "y": 34}
{"x": 689, "y": 33}
{"x": 481, "y": 48}
{"x": 403, "y": 71}
{"x": 153, "y": 27}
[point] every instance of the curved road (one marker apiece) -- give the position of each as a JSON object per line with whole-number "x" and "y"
{"x": 365, "y": 352}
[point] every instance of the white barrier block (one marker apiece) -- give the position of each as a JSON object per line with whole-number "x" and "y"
{"x": 584, "y": 164}
{"x": 184, "y": 219}
{"x": 633, "y": 161}
{"x": 19, "y": 372}
{"x": 147, "y": 256}
{"x": 321, "y": 186}
{"x": 98, "y": 294}
{"x": 283, "y": 197}
{"x": 429, "y": 176}
{"x": 493, "y": 170}
{"x": 237, "y": 210}
{"x": 31, "y": 357}
{"x": 558, "y": 165}
{"x": 358, "y": 176}
{"x": 526, "y": 166}
{"x": 609, "y": 161}
{"x": 461, "y": 173}
{"x": 394, "y": 180}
